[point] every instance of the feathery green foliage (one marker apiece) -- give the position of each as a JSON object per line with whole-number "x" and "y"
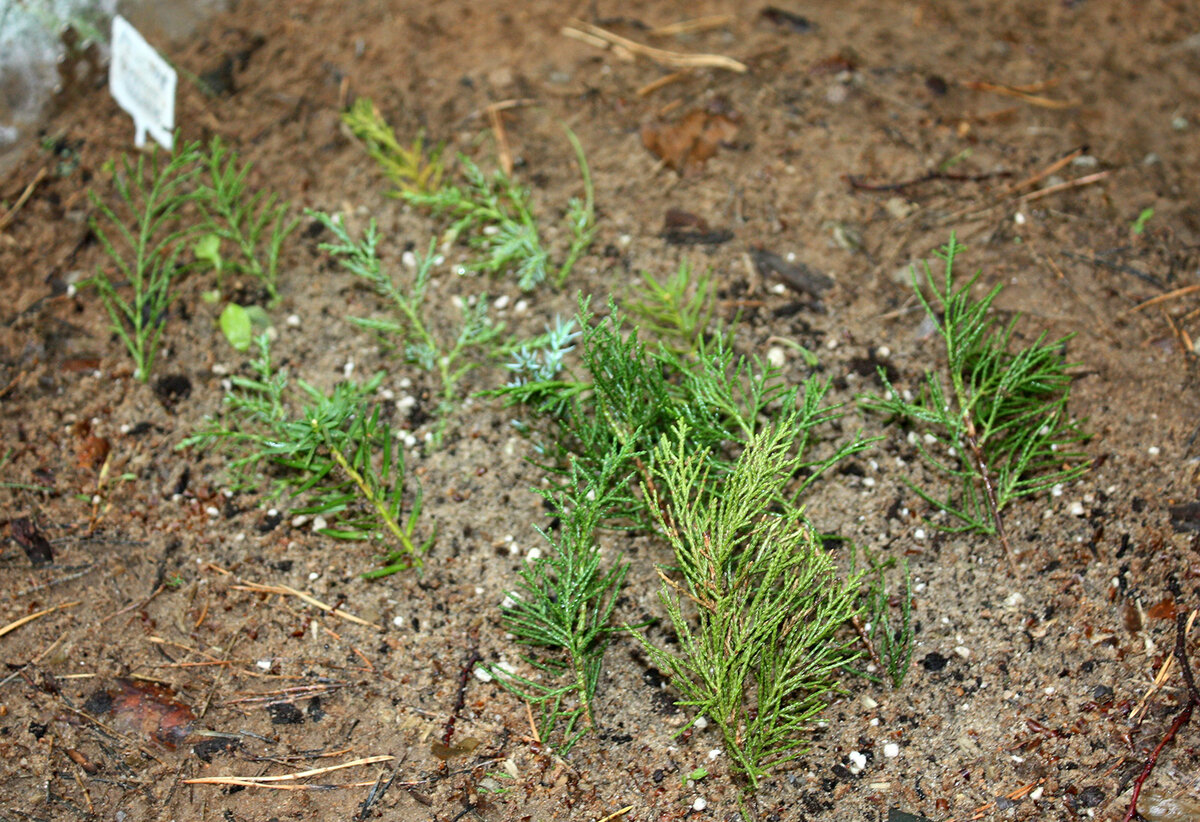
{"x": 997, "y": 418}
{"x": 755, "y": 604}
{"x": 255, "y": 224}
{"x": 497, "y": 216}
{"x": 889, "y": 639}
{"x": 408, "y": 168}
{"x": 677, "y": 310}
{"x": 563, "y": 605}
{"x": 631, "y": 395}
{"x": 449, "y": 360}
{"x": 337, "y": 455}
{"x": 153, "y": 190}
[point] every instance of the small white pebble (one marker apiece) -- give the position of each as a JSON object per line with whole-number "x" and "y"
{"x": 700, "y": 804}
{"x": 882, "y": 352}
{"x": 398, "y": 621}
{"x": 919, "y": 533}
{"x": 126, "y": 428}
{"x": 1019, "y": 218}
{"x": 71, "y": 290}
{"x": 776, "y": 356}
{"x": 701, "y": 723}
{"x": 1056, "y": 490}
{"x": 534, "y": 554}
{"x": 491, "y": 230}
{"x": 963, "y": 651}
{"x": 1014, "y": 599}
{"x": 521, "y": 307}
{"x": 313, "y": 576}
{"x": 388, "y": 394}
{"x": 1048, "y": 690}
{"x": 919, "y": 588}
{"x": 713, "y": 754}
{"x": 1036, "y": 794}
{"x": 220, "y": 369}
{"x": 1076, "y": 509}
{"x": 212, "y": 511}
{"x": 263, "y": 664}
{"x": 1017, "y": 759}
{"x": 408, "y": 259}
{"x": 858, "y": 761}
{"x": 299, "y": 520}
{"x": 293, "y": 320}
{"x": 778, "y": 288}
{"x": 930, "y": 439}
{"x": 405, "y": 382}
{"x": 482, "y": 675}
{"x": 868, "y": 703}
{"x": 409, "y": 441}
{"x": 406, "y": 403}
{"x": 478, "y": 590}
{"x": 319, "y": 524}
{"x": 501, "y": 302}
{"x": 272, "y": 512}
{"x": 891, "y": 750}
{"x": 869, "y": 482}
{"x": 508, "y": 602}
{"x": 348, "y": 369}
{"x": 791, "y": 257}
{"x": 1153, "y": 451}
{"x": 831, "y": 343}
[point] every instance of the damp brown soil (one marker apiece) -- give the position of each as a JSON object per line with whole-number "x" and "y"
{"x": 863, "y": 134}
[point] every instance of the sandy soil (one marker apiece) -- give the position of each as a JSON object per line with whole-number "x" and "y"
{"x": 1021, "y": 699}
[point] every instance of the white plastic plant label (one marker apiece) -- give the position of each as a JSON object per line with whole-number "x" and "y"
{"x": 143, "y": 84}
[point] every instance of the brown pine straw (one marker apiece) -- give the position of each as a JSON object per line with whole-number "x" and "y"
{"x": 273, "y": 782}
{"x": 603, "y": 38}
{"x": 25, "y": 620}
{"x": 287, "y": 590}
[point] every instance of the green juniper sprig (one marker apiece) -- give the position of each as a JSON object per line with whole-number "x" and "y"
{"x": 997, "y": 419}
{"x": 496, "y": 215}
{"x": 408, "y": 168}
{"x": 255, "y": 224}
{"x": 755, "y": 602}
{"x": 631, "y": 394}
{"x": 337, "y": 455}
{"x": 677, "y": 310}
{"x": 888, "y": 640}
{"x": 563, "y": 605}
{"x": 450, "y": 361}
{"x": 153, "y": 191}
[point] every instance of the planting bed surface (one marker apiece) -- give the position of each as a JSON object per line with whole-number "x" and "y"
{"x": 1022, "y": 683}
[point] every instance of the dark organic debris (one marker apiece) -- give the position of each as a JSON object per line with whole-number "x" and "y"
{"x": 787, "y": 19}
{"x": 934, "y": 662}
{"x": 796, "y": 276}
{"x": 1184, "y": 517}
{"x": 172, "y": 388}
{"x": 692, "y": 140}
{"x": 35, "y": 546}
{"x": 897, "y": 815}
{"x": 285, "y": 713}
{"x": 145, "y": 710}
{"x": 685, "y": 228}
{"x": 211, "y": 746}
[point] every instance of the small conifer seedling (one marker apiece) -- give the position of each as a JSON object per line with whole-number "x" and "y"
{"x": 995, "y": 421}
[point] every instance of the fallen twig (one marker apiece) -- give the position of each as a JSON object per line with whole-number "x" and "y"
{"x": 1183, "y": 625}
{"x": 603, "y": 38}
{"x": 857, "y": 182}
{"x": 274, "y": 781}
{"x": 309, "y": 598}
{"x": 25, "y": 620}
{"x": 1161, "y": 298}
{"x": 12, "y": 212}
{"x": 1020, "y": 94}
